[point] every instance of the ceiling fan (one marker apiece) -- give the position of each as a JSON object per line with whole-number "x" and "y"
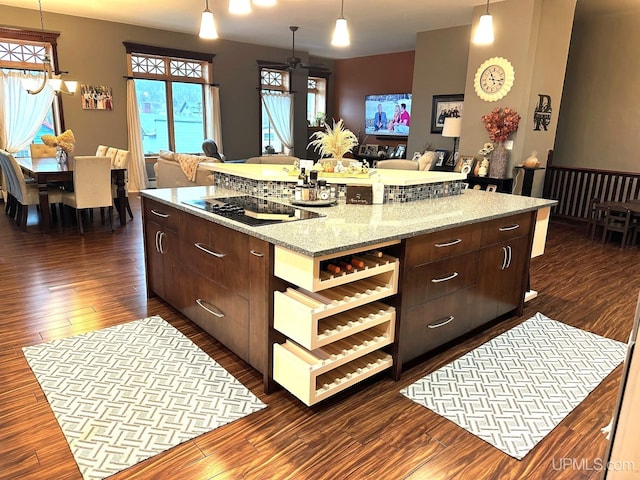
{"x": 293, "y": 61}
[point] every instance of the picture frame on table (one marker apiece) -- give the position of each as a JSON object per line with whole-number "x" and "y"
{"x": 444, "y": 161}
{"x": 444, "y": 106}
{"x": 492, "y": 188}
{"x": 400, "y": 151}
{"x": 362, "y": 149}
{"x": 466, "y": 164}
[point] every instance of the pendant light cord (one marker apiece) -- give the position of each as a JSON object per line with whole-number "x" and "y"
{"x": 342, "y": 9}
{"x": 487, "y": 7}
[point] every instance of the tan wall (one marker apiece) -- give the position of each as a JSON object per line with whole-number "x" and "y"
{"x": 438, "y": 71}
{"x": 599, "y": 120}
{"x": 92, "y": 52}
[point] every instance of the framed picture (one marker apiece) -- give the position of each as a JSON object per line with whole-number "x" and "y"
{"x": 444, "y": 161}
{"x": 492, "y": 188}
{"x": 444, "y": 106}
{"x": 362, "y": 149}
{"x": 96, "y": 97}
{"x": 466, "y": 164}
{"x": 400, "y": 151}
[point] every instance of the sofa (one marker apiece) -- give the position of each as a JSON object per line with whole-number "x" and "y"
{"x": 182, "y": 170}
{"x": 273, "y": 159}
{"x": 424, "y": 163}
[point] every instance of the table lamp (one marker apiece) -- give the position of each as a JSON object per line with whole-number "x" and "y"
{"x": 452, "y": 128}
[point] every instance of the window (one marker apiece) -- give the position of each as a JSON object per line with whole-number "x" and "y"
{"x": 170, "y": 91}
{"x": 271, "y": 81}
{"x": 24, "y": 50}
{"x": 316, "y": 100}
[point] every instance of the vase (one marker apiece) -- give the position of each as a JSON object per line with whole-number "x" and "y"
{"x": 498, "y": 163}
{"x": 61, "y": 156}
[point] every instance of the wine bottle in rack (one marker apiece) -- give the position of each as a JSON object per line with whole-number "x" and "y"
{"x": 374, "y": 253}
{"x": 330, "y": 267}
{"x": 346, "y": 266}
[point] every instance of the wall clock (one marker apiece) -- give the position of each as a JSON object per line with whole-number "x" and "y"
{"x": 493, "y": 79}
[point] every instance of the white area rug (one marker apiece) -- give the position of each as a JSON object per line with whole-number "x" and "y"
{"x": 513, "y": 390}
{"x": 126, "y": 393}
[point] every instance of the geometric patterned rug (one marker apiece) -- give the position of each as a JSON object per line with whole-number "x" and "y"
{"x": 128, "y": 392}
{"x": 514, "y": 389}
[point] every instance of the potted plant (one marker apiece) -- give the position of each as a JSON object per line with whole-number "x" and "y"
{"x": 334, "y": 142}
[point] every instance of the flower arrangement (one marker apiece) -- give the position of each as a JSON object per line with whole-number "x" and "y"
{"x": 65, "y": 141}
{"x": 501, "y": 123}
{"x": 334, "y": 142}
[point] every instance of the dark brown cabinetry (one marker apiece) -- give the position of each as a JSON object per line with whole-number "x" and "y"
{"x": 161, "y": 241}
{"x": 458, "y": 279}
{"x": 218, "y": 277}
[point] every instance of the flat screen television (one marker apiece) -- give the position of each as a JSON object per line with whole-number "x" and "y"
{"x": 387, "y": 114}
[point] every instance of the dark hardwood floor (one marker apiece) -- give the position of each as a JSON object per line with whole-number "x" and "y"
{"x": 62, "y": 284}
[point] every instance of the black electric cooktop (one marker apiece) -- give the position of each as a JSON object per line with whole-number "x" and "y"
{"x": 253, "y": 211}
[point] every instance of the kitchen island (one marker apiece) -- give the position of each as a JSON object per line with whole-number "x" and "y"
{"x": 425, "y": 273}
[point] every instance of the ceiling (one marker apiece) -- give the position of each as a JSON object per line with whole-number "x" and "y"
{"x": 376, "y": 26}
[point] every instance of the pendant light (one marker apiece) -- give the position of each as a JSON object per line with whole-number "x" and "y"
{"x": 484, "y": 32}
{"x": 239, "y": 7}
{"x": 50, "y": 77}
{"x": 207, "y": 24}
{"x": 341, "y": 32}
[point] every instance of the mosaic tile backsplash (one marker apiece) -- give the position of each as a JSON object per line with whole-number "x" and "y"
{"x": 392, "y": 193}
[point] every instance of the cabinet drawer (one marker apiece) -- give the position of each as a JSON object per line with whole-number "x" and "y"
{"x": 313, "y": 376}
{"x": 506, "y": 228}
{"x": 443, "y": 244}
{"x": 432, "y": 280}
{"x": 161, "y": 214}
{"x": 217, "y": 252}
{"x": 306, "y": 272}
{"x": 313, "y": 328}
{"x": 220, "y": 313}
{"x": 432, "y": 324}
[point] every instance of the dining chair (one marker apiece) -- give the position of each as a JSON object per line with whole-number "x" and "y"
{"x": 111, "y": 153}
{"x": 597, "y": 212}
{"x": 39, "y": 150}
{"x": 121, "y": 160}
{"x": 618, "y": 218}
{"x": 101, "y": 151}
{"x": 91, "y": 187}
{"x": 21, "y": 194}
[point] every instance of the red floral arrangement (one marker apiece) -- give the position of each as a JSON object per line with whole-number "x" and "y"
{"x": 501, "y": 123}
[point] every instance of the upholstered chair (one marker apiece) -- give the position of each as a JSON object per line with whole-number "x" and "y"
{"x": 101, "y": 151}
{"x": 111, "y": 153}
{"x": 121, "y": 160}
{"x": 397, "y": 164}
{"x": 20, "y": 194}
{"x": 38, "y": 150}
{"x": 91, "y": 187}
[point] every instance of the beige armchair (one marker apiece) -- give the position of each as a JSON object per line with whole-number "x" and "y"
{"x": 91, "y": 187}
{"x": 397, "y": 165}
{"x": 121, "y": 160}
{"x": 273, "y": 159}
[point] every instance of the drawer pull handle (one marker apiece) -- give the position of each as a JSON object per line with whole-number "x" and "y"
{"x": 212, "y": 310}
{"x": 206, "y": 250}
{"x": 257, "y": 254}
{"x": 160, "y": 214}
{"x": 445, "y": 279}
{"x": 506, "y": 229}
{"x": 449, "y": 319}
{"x": 448, "y": 244}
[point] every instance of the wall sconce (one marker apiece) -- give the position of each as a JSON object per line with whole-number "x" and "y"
{"x": 341, "y": 32}
{"x": 208, "y": 29}
{"x": 484, "y": 31}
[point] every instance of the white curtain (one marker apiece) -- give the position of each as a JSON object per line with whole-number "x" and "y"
{"x": 212, "y": 116}
{"x": 279, "y": 108}
{"x": 138, "y": 178}
{"x": 21, "y": 114}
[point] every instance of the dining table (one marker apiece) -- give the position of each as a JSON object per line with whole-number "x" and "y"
{"x": 49, "y": 169}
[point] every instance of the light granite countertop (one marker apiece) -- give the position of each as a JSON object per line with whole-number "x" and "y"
{"x": 353, "y": 226}
{"x": 272, "y": 172}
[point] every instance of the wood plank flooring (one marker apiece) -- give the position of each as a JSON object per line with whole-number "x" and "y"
{"x": 62, "y": 284}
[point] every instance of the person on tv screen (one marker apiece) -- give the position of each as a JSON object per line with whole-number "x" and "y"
{"x": 395, "y": 120}
{"x": 404, "y": 120}
{"x": 380, "y": 119}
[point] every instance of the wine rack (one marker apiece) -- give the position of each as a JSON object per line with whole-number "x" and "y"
{"x": 335, "y": 323}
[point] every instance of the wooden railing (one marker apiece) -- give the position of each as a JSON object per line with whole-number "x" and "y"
{"x": 574, "y": 188}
